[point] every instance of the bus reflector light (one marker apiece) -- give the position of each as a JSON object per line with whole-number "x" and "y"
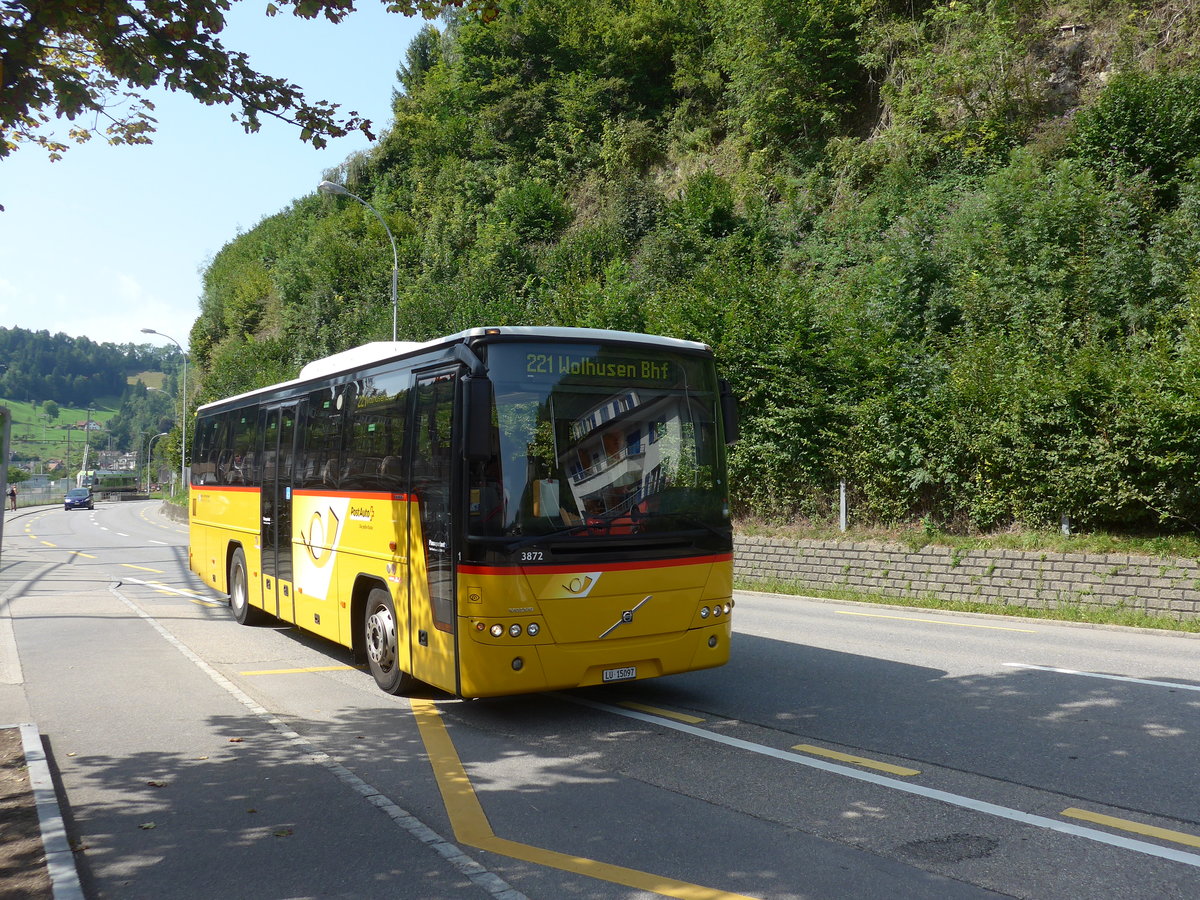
{"x": 704, "y": 612}
{"x": 479, "y": 626}
{"x": 712, "y": 640}
{"x": 518, "y": 664}
{"x": 533, "y": 629}
{"x": 497, "y": 630}
{"x": 514, "y": 630}
{"x": 726, "y": 609}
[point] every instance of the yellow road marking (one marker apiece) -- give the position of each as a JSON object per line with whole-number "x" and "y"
{"x": 655, "y": 711}
{"x": 471, "y": 824}
{"x": 299, "y": 671}
{"x": 48, "y": 544}
{"x": 932, "y": 621}
{"x": 1165, "y": 834}
{"x": 143, "y": 568}
{"x": 857, "y": 760}
{"x": 199, "y": 601}
{"x": 81, "y": 553}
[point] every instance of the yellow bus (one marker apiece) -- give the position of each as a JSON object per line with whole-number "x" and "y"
{"x": 500, "y": 511}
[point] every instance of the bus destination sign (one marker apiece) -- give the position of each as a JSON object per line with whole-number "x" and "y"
{"x": 625, "y": 369}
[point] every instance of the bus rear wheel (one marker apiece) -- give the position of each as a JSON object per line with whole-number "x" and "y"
{"x": 239, "y": 592}
{"x": 383, "y": 654}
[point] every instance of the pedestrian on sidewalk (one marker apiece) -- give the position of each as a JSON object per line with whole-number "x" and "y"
{"x": 12, "y": 496}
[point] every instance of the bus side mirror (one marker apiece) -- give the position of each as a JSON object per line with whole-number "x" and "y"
{"x": 729, "y": 412}
{"x": 477, "y": 396}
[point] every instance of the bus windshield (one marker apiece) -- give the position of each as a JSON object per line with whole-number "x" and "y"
{"x": 592, "y": 440}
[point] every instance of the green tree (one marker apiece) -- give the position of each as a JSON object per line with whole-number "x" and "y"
{"x": 84, "y": 62}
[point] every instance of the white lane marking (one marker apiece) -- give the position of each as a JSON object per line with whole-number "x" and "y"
{"x": 191, "y": 595}
{"x": 1146, "y": 681}
{"x": 122, "y": 534}
{"x": 152, "y": 541}
{"x": 982, "y": 806}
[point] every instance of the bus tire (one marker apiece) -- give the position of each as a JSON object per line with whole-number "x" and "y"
{"x": 379, "y": 635}
{"x": 239, "y": 592}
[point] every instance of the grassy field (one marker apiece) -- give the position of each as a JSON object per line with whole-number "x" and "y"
{"x": 150, "y": 379}
{"x": 36, "y": 435}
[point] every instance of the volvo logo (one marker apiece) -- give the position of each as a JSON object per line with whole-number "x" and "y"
{"x": 626, "y": 617}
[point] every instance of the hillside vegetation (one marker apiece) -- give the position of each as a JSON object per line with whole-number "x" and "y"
{"x": 49, "y": 382}
{"x": 946, "y": 250}
{"x": 38, "y": 366}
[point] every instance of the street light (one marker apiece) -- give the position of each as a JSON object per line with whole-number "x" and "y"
{"x": 330, "y": 187}
{"x": 182, "y": 410}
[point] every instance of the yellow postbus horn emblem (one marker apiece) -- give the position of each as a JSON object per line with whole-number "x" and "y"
{"x": 581, "y": 585}
{"x": 316, "y": 538}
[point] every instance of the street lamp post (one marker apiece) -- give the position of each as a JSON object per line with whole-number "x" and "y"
{"x": 182, "y": 410}
{"x": 330, "y": 187}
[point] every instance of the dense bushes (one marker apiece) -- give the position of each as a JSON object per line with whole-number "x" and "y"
{"x": 917, "y": 274}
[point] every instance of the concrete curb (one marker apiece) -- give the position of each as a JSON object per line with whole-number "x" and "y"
{"x": 60, "y": 859}
{"x": 174, "y": 513}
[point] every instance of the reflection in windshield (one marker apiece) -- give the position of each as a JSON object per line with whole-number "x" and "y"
{"x": 592, "y": 443}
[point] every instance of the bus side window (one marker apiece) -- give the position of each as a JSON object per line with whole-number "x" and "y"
{"x": 203, "y": 451}
{"x": 320, "y": 441}
{"x": 245, "y": 437}
{"x": 375, "y": 433}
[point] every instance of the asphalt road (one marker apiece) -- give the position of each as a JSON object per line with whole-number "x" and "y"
{"x": 847, "y": 751}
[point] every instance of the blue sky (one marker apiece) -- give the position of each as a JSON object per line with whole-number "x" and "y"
{"x": 110, "y": 240}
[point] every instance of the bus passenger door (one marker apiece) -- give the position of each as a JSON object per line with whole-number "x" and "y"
{"x": 277, "y": 455}
{"x": 431, "y": 566}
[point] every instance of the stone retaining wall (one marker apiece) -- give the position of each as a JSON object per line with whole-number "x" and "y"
{"x": 1162, "y": 587}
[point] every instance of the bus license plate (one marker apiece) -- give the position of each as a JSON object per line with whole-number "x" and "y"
{"x": 623, "y": 674}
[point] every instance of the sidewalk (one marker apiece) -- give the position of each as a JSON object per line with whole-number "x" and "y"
{"x": 36, "y": 860}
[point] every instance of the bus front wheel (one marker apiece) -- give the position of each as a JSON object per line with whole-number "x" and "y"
{"x": 239, "y": 591}
{"x": 383, "y": 653}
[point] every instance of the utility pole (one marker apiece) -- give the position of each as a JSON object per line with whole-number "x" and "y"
{"x": 87, "y": 439}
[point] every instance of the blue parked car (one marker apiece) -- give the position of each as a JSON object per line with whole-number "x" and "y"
{"x": 79, "y": 498}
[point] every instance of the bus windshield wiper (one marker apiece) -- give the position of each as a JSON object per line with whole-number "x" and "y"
{"x": 699, "y": 523}
{"x": 510, "y": 544}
